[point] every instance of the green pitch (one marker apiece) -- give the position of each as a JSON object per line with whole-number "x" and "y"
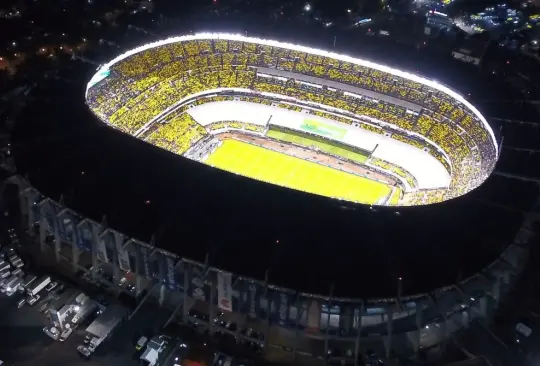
{"x": 321, "y": 145}
{"x": 288, "y": 171}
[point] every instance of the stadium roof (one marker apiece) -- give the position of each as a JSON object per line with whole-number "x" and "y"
{"x": 102, "y": 71}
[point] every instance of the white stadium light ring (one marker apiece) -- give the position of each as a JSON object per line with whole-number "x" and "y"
{"x": 357, "y": 61}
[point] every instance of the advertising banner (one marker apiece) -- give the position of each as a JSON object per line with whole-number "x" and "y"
{"x": 85, "y": 236}
{"x": 49, "y": 209}
{"x": 280, "y": 307}
{"x": 314, "y": 316}
{"x": 63, "y": 221}
{"x": 123, "y": 256}
{"x": 170, "y": 278}
{"x": 144, "y": 251}
{"x": 101, "y": 248}
{"x": 237, "y": 293}
{"x": 198, "y": 287}
{"x": 252, "y": 299}
{"x": 224, "y": 291}
{"x": 70, "y": 226}
{"x": 323, "y": 129}
{"x": 110, "y": 244}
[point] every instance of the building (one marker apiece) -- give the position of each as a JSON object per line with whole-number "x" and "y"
{"x": 153, "y": 349}
{"x": 401, "y": 325}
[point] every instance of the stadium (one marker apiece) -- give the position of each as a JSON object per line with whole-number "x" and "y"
{"x": 318, "y": 278}
{"x": 300, "y": 118}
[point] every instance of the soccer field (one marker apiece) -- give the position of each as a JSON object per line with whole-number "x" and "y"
{"x": 325, "y": 147}
{"x": 288, "y": 171}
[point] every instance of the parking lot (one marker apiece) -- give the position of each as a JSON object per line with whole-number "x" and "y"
{"x": 23, "y": 339}
{"x": 27, "y": 341}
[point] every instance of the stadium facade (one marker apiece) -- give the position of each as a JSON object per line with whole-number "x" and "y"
{"x": 184, "y": 94}
{"x": 290, "y": 320}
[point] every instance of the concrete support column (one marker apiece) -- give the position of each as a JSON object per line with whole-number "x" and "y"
{"x": 139, "y": 268}
{"x": 24, "y": 205}
{"x": 328, "y": 312}
{"x": 482, "y": 307}
{"x": 389, "y": 330}
{"x": 496, "y": 292}
{"x": 30, "y": 212}
{"x": 75, "y": 251}
{"x": 445, "y": 328}
{"x": 212, "y": 307}
{"x": 162, "y": 294}
{"x": 42, "y": 233}
{"x": 240, "y": 325}
{"x": 187, "y": 278}
{"x": 297, "y": 327}
{"x": 118, "y": 240}
{"x": 143, "y": 300}
{"x": 57, "y": 242}
{"x": 94, "y": 249}
{"x": 506, "y": 277}
{"x": 327, "y": 335}
{"x": 267, "y": 328}
{"x": 175, "y": 311}
{"x": 358, "y": 335}
{"x": 465, "y": 319}
{"x": 419, "y": 324}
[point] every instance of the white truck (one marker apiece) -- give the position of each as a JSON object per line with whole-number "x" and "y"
{"x": 7, "y": 283}
{"x": 12, "y": 286}
{"x": 4, "y": 265}
{"x": 28, "y": 280}
{"x": 38, "y": 285}
{"x": 101, "y": 328}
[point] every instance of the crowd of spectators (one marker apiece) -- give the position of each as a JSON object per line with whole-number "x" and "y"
{"x": 142, "y": 86}
{"x": 392, "y": 168}
{"x": 177, "y": 134}
{"x": 236, "y": 125}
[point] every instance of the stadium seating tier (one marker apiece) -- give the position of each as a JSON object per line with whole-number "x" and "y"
{"x": 142, "y": 86}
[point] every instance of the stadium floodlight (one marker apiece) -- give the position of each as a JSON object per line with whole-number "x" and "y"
{"x": 307, "y": 7}
{"x": 237, "y": 37}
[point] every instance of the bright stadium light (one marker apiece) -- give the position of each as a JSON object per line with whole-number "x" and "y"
{"x": 307, "y": 7}
{"x": 357, "y": 61}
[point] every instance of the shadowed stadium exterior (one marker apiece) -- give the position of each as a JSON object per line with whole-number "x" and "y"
{"x": 296, "y": 323}
{"x": 182, "y": 93}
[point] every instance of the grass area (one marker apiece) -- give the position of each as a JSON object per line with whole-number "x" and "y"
{"x": 305, "y": 140}
{"x": 395, "y": 197}
{"x": 288, "y": 171}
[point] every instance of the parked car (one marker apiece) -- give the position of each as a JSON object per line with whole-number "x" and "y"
{"x": 32, "y": 299}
